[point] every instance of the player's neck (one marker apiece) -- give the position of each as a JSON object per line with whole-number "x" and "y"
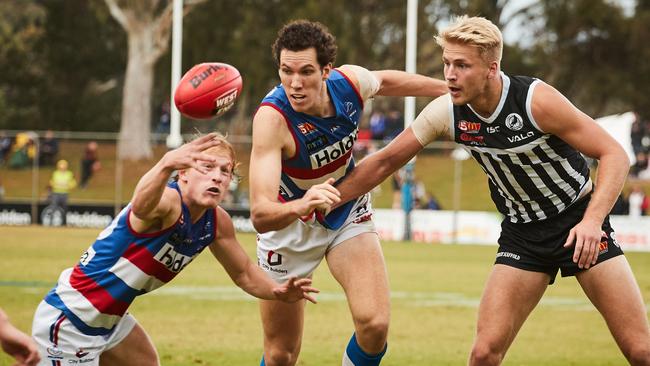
{"x": 324, "y": 107}
{"x": 489, "y": 99}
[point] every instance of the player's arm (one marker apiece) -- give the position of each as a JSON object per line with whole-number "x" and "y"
{"x": 16, "y": 343}
{"x": 152, "y": 201}
{"x": 248, "y": 276}
{"x": 393, "y": 83}
{"x": 432, "y": 122}
{"x": 556, "y": 115}
{"x": 270, "y": 135}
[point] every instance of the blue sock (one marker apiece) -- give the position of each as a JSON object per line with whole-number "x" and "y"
{"x": 355, "y": 356}
{"x": 262, "y": 364}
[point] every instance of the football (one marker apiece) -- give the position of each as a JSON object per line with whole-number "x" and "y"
{"x": 208, "y": 90}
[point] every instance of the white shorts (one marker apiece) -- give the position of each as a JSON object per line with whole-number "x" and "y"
{"x": 61, "y": 343}
{"x": 298, "y": 249}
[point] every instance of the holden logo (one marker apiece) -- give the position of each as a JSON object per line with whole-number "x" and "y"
{"x": 514, "y": 122}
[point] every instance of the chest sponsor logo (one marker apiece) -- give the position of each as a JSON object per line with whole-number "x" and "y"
{"x": 306, "y": 128}
{"x": 514, "y": 122}
{"x": 171, "y": 259}
{"x": 316, "y": 143}
{"x": 521, "y": 137}
{"x": 472, "y": 139}
{"x": 334, "y": 151}
{"x": 469, "y": 127}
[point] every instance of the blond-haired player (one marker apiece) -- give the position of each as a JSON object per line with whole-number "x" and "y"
{"x": 528, "y": 138}
{"x": 84, "y": 318}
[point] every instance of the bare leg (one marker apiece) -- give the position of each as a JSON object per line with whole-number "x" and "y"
{"x": 136, "y": 349}
{"x": 358, "y": 265}
{"x": 611, "y": 287}
{"x": 283, "y": 324}
{"x": 510, "y": 295}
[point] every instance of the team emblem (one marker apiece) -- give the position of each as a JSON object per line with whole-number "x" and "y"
{"x": 514, "y": 122}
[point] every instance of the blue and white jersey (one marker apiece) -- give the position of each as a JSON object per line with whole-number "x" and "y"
{"x": 122, "y": 264}
{"x": 323, "y": 145}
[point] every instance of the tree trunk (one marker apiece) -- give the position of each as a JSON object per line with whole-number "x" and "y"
{"x": 135, "y": 130}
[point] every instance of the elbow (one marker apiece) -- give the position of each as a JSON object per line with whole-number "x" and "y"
{"x": 259, "y": 224}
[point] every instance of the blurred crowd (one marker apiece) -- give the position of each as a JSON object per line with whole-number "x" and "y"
{"x": 640, "y": 139}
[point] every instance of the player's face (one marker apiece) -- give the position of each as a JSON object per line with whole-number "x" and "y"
{"x": 208, "y": 190}
{"x": 303, "y": 80}
{"x": 466, "y": 72}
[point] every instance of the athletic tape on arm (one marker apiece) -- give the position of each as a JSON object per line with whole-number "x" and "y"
{"x": 433, "y": 121}
{"x": 368, "y": 83}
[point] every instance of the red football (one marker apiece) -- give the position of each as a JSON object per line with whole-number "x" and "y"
{"x": 208, "y": 90}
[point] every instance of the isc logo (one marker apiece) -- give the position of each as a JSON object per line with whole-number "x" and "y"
{"x": 174, "y": 261}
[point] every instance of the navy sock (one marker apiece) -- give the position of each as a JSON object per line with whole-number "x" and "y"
{"x": 355, "y": 356}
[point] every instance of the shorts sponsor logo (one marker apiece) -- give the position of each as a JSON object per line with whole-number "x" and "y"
{"x": 54, "y": 352}
{"x": 273, "y": 258}
{"x": 603, "y": 246}
{"x": 81, "y": 353}
{"x": 509, "y": 255}
{"x": 174, "y": 261}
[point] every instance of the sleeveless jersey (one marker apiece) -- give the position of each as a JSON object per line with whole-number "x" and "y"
{"x": 532, "y": 175}
{"x": 323, "y": 145}
{"x": 122, "y": 264}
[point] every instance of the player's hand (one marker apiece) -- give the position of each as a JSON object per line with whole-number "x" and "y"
{"x": 319, "y": 197}
{"x": 192, "y": 155}
{"x": 586, "y": 236}
{"x": 295, "y": 289}
{"x": 19, "y": 345}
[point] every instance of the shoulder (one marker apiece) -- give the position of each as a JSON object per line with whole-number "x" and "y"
{"x": 225, "y": 226}
{"x": 363, "y": 80}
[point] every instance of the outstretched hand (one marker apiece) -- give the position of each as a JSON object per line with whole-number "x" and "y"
{"x": 295, "y": 289}
{"x": 192, "y": 154}
{"x": 19, "y": 346}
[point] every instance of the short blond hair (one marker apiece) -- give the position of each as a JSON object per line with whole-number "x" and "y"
{"x": 474, "y": 31}
{"x": 225, "y": 147}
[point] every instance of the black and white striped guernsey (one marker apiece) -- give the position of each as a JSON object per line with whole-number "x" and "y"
{"x": 532, "y": 175}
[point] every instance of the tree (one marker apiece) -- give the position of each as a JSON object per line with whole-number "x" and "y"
{"x": 147, "y": 24}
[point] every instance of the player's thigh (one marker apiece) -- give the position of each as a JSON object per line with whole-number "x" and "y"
{"x": 358, "y": 265}
{"x": 611, "y": 287}
{"x": 283, "y": 324}
{"x": 135, "y": 349}
{"x": 509, "y": 296}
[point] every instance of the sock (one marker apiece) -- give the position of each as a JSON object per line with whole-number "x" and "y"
{"x": 355, "y": 356}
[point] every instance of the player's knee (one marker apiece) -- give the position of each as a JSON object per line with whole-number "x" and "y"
{"x": 280, "y": 357}
{"x": 373, "y": 330}
{"x": 638, "y": 355}
{"x": 484, "y": 355}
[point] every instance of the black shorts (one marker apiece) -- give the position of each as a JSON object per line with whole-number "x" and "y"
{"x": 539, "y": 246}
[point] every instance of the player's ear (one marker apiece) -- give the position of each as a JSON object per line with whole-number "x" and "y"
{"x": 493, "y": 70}
{"x": 182, "y": 176}
{"x": 326, "y": 71}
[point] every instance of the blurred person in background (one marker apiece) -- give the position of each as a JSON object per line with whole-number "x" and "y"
{"x": 61, "y": 183}
{"x": 90, "y": 163}
{"x": 303, "y": 137}
{"x": 17, "y": 344}
{"x": 84, "y": 318}
{"x": 523, "y": 132}
{"x": 48, "y": 149}
{"x": 5, "y": 146}
{"x": 637, "y": 201}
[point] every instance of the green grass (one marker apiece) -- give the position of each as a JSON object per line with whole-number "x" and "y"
{"x": 201, "y": 318}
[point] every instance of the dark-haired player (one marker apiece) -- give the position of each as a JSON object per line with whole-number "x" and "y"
{"x": 303, "y": 134}
{"x": 84, "y": 318}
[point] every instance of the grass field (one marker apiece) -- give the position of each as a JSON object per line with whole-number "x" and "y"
{"x": 202, "y": 319}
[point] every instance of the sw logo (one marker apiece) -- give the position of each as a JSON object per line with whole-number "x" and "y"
{"x": 273, "y": 258}
{"x": 306, "y": 128}
{"x": 81, "y": 353}
{"x": 469, "y": 127}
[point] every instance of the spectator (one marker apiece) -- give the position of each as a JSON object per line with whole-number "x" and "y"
{"x": 638, "y": 201}
{"x": 640, "y": 165}
{"x": 636, "y": 135}
{"x": 164, "y": 122}
{"x": 620, "y": 206}
{"x": 396, "y": 182}
{"x": 394, "y": 124}
{"x": 49, "y": 149}
{"x": 2, "y": 191}
{"x": 431, "y": 202}
{"x": 89, "y": 163}
{"x": 61, "y": 183}
{"x": 23, "y": 151}
{"x": 5, "y": 146}
{"x": 377, "y": 125}
{"x": 419, "y": 192}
